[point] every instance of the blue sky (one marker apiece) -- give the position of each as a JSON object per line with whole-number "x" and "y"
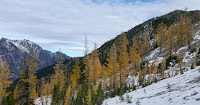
{"x": 55, "y": 24}
{"x": 122, "y": 1}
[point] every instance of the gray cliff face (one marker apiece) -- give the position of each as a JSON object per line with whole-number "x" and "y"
{"x": 14, "y": 51}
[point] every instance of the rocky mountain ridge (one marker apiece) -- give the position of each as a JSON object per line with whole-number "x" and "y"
{"x": 14, "y": 51}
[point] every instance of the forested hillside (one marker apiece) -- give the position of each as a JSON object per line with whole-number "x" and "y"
{"x": 148, "y": 28}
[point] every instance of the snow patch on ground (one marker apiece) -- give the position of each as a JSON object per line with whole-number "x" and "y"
{"x": 178, "y": 90}
{"x": 38, "y": 101}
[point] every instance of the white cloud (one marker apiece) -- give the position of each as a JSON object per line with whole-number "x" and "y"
{"x": 63, "y": 23}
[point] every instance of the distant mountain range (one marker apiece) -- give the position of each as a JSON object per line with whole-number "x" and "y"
{"x": 14, "y": 51}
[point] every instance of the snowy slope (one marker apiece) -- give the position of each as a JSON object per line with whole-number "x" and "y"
{"x": 184, "y": 89}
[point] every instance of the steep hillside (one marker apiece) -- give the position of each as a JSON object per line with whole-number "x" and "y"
{"x": 14, "y": 51}
{"x": 147, "y": 28}
{"x": 178, "y": 89}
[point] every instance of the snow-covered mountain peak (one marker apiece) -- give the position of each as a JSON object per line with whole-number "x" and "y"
{"x": 13, "y": 51}
{"x": 24, "y": 45}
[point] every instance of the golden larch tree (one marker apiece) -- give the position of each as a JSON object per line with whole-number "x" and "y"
{"x": 68, "y": 95}
{"x": 136, "y": 61}
{"x": 5, "y": 75}
{"x": 182, "y": 30}
{"x": 55, "y": 77}
{"x": 98, "y": 67}
{"x": 58, "y": 77}
{"x": 154, "y": 69}
{"x": 62, "y": 79}
{"x": 47, "y": 92}
{"x": 170, "y": 41}
{"x": 163, "y": 68}
{"x": 122, "y": 57}
{"x": 103, "y": 76}
{"x": 133, "y": 51}
{"x": 94, "y": 67}
{"x": 189, "y": 32}
{"x": 89, "y": 97}
{"x": 76, "y": 74}
{"x": 146, "y": 44}
{"x": 135, "y": 45}
{"x": 161, "y": 35}
{"x": 32, "y": 79}
{"x": 112, "y": 66}
{"x": 134, "y": 58}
